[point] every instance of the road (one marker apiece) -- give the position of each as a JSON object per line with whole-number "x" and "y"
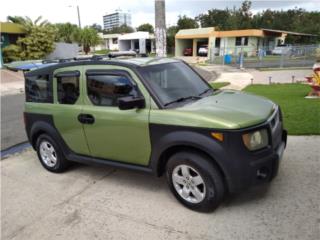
{"x": 12, "y": 126}
{"x": 105, "y": 203}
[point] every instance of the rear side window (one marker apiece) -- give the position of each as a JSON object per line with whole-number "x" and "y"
{"x": 106, "y": 89}
{"x": 68, "y": 87}
{"x": 39, "y": 89}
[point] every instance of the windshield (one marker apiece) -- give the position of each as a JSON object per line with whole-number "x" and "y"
{"x": 174, "y": 81}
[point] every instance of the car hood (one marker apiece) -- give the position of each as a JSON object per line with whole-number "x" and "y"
{"x": 229, "y": 109}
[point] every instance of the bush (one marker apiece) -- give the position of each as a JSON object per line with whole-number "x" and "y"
{"x": 11, "y": 53}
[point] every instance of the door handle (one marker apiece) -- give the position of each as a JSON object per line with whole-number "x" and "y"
{"x": 86, "y": 118}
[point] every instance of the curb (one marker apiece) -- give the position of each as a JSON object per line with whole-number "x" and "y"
{"x": 18, "y": 148}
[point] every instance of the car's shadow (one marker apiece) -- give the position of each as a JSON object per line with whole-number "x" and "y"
{"x": 135, "y": 179}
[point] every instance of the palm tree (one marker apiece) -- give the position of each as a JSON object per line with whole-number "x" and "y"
{"x": 27, "y": 23}
{"x": 67, "y": 32}
{"x": 88, "y": 37}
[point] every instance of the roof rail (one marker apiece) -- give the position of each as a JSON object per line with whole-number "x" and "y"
{"x": 122, "y": 54}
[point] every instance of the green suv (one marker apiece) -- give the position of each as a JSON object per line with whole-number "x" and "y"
{"x": 155, "y": 115}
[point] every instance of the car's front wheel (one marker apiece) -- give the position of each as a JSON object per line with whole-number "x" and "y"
{"x": 50, "y": 155}
{"x": 195, "y": 181}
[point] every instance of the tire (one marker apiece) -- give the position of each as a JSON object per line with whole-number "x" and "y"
{"x": 201, "y": 197}
{"x": 50, "y": 154}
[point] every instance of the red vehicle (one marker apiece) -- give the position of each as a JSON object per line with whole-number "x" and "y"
{"x": 187, "y": 52}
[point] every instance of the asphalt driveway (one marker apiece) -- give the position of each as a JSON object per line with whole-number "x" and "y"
{"x": 105, "y": 203}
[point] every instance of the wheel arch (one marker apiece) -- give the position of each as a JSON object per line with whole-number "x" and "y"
{"x": 174, "y": 142}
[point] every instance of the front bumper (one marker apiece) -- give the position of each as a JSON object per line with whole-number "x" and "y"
{"x": 260, "y": 168}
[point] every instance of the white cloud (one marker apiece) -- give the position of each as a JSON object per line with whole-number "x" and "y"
{"x": 142, "y": 10}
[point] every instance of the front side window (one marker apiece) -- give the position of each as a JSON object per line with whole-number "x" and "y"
{"x": 38, "y": 89}
{"x": 173, "y": 81}
{"x": 106, "y": 89}
{"x": 68, "y": 89}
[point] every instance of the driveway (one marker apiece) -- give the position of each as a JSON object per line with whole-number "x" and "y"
{"x": 105, "y": 203}
{"x": 12, "y": 100}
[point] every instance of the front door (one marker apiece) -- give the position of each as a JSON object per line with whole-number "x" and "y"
{"x": 114, "y": 134}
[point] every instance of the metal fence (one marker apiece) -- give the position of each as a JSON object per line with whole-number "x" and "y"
{"x": 251, "y": 57}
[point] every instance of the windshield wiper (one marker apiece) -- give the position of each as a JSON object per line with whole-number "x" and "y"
{"x": 183, "y": 99}
{"x": 205, "y": 91}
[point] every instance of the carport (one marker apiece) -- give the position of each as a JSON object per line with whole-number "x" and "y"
{"x": 193, "y": 38}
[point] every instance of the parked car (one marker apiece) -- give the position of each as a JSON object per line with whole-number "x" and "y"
{"x": 203, "y": 50}
{"x": 155, "y": 115}
{"x": 282, "y": 49}
{"x": 187, "y": 52}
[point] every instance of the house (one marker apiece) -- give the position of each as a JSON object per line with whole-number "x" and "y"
{"x": 219, "y": 43}
{"x": 141, "y": 42}
{"x": 10, "y": 32}
{"x": 109, "y": 42}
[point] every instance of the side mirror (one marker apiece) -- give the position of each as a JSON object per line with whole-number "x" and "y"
{"x": 126, "y": 103}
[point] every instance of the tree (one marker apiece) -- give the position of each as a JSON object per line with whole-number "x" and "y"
{"x": 97, "y": 27}
{"x": 185, "y": 22}
{"x": 27, "y": 23}
{"x": 245, "y": 15}
{"x": 146, "y": 27}
{"x": 122, "y": 29}
{"x": 88, "y": 37}
{"x": 67, "y": 32}
{"x": 171, "y": 33}
{"x": 215, "y": 18}
{"x": 38, "y": 42}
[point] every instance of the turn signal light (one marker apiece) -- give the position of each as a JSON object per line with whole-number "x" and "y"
{"x": 218, "y": 136}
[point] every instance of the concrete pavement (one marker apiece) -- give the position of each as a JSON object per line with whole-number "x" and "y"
{"x": 12, "y": 126}
{"x": 105, "y": 203}
{"x": 240, "y": 78}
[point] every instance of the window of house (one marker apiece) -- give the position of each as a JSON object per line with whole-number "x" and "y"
{"x": 39, "y": 89}
{"x": 217, "y": 43}
{"x": 68, "y": 89}
{"x": 115, "y": 40}
{"x": 106, "y": 89}
{"x": 239, "y": 41}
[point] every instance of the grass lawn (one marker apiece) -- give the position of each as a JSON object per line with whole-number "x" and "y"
{"x": 217, "y": 85}
{"x": 301, "y": 116}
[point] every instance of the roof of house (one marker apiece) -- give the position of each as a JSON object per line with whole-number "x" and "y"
{"x": 207, "y": 32}
{"x": 195, "y": 32}
{"x": 136, "y": 35}
{"x": 7, "y": 27}
{"x": 289, "y": 32}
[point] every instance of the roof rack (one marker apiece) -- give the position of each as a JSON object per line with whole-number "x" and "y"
{"x": 114, "y": 55}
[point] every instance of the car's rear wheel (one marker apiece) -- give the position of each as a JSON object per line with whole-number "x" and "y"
{"x": 195, "y": 181}
{"x": 50, "y": 154}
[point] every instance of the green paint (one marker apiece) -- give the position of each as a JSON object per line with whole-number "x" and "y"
{"x": 123, "y": 135}
{"x": 223, "y": 110}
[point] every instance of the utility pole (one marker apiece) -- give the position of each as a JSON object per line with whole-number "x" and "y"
{"x": 78, "y": 12}
{"x": 160, "y": 30}
{"x": 79, "y": 16}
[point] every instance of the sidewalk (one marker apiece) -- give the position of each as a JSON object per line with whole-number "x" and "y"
{"x": 240, "y": 78}
{"x": 11, "y": 82}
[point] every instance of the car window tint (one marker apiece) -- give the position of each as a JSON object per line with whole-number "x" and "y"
{"x": 68, "y": 89}
{"x": 105, "y": 90}
{"x": 38, "y": 89}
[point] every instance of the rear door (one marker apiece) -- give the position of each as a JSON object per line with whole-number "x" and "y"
{"x": 114, "y": 134}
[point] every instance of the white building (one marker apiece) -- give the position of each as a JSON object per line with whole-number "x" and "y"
{"x": 141, "y": 42}
{"x": 116, "y": 19}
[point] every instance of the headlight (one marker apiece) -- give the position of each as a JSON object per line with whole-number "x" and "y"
{"x": 256, "y": 140}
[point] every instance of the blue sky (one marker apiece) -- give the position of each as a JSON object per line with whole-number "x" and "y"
{"x": 142, "y": 10}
